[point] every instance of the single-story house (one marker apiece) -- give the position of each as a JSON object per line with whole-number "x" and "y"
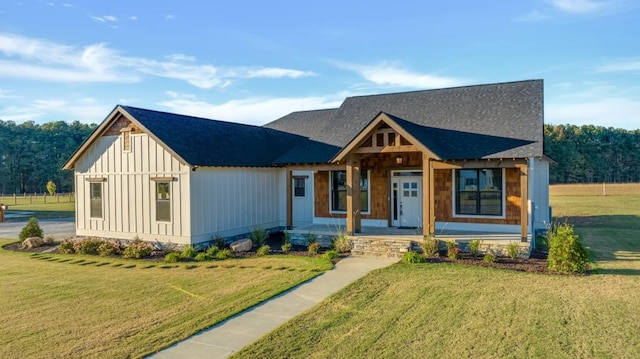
{"x": 463, "y": 159}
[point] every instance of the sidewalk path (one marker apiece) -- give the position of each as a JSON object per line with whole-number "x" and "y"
{"x": 237, "y": 332}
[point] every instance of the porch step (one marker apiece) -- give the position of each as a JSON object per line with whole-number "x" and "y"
{"x": 377, "y": 247}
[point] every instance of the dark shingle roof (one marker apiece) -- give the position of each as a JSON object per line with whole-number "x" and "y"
{"x": 204, "y": 142}
{"x": 483, "y": 121}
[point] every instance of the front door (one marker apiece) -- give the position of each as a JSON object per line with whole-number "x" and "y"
{"x": 407, "y": 201}
{"x": 302, "y": 197}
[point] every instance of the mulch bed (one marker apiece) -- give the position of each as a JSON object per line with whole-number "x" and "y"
{"x": 537, "y": 263}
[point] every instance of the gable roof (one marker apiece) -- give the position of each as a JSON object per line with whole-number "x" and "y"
{"x": 202, "y": 142}
{"x": 472, "y": 116}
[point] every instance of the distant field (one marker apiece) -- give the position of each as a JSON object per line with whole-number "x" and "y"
{"x": 43, "y": 207}
{"x": 595, "y": 189}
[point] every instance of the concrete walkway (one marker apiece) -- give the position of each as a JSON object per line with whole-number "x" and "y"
{"x": 58, "y": 228}
{"x": 237, "y": 332}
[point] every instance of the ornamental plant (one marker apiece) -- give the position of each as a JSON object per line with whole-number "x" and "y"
{"x": 429, "y": 246}
{"x": 566, "y": 252}
{"x": 413, "y": 257}
{"x": 31, "y": 229}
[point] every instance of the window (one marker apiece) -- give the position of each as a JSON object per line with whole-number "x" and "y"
{"x": 126, "y": 140}
{"x": 163, "y": 201}
{"x": 299, "y": 186}
{"x": 95, "y": 190}
{"x": 339, "y": 191}
{"x": 479, "y": 192}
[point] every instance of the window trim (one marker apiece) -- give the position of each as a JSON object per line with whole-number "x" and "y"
{"x": 91, "y": 184}
{"x": 157, "y": 200}
{"x": 332, "y": 211}
{"x": 503, "y": 191}
{"x": 126, "y": 139}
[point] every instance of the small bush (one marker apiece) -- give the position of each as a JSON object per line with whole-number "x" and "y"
{"x": 413, "y": 257}
{"x": 341, "y": 242}
{"x": 490, "y": 257}
{"x": 429, "y": 246}
{"x": 66, "y": 247}
{"x": 49, "y": 240}
{"x": 258, "y": 236}
{"x": 313, "y": 248}
{"x": 173, "y": 257}
{"x": 566, "y": 252}
{"x": 212, "y": 251}
{"x": 137, "y": 249}
{"x": 88, "y": 246}
{"x": 31, "y": 229}
{"x": 474, "y": 246}
{"x": 453, "y": 252}
{"x": 311, "y": 238}
{"x": 224, "y": 254}
{"x": 263, "y": 250}
{"x": 330, "y": 255}
{"x": 286, "y": 237}
{"x": 202, "y": 257}
{"x": 108, "y": 248}
{"x": 513, "y": 249}
{"x": 188, "y": 252}
{"x": 286, "y": 247}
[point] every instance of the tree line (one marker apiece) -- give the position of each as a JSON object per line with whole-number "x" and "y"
{"x": 586, "y": 154}
{"x": 31, "y": 154}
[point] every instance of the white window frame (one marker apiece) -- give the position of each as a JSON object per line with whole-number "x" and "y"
{"x": 91, "y": 214}
{"x": 368, "y": 211}
{"x": 504, "y": 197}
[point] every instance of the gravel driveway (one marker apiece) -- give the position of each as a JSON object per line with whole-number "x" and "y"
{"x": 59, "y": 229}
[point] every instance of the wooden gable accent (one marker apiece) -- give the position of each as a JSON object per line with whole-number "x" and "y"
{"x": 121, "y": 124}
{"x": 383, "y": 135}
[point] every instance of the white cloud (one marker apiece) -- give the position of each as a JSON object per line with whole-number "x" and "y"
{"x": 621, "y": 66}
{"x": 105, "y": 19}
{"x": 170, "y": 17}
{"x": 19, "y": 114}
{"x": 577, "y": 8}
{"x": 84, "y": 109}
{"x": 67, "y": 5}
{"x": 5, "y": 94}
{"x": 385, "y": 74}
{"x": 133, "y": 18}
{"x": 582, "y": 6}
{"x": 607, "y": 112}
{"x": 255, "y": 110}
{"x": 43, "y": 60}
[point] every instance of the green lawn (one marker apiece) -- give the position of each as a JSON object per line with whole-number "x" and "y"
{"x": 455, "y": 311}
{"x": 66, "y": 306}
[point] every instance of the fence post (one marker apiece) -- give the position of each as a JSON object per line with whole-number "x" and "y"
{"x": 15, "y": 199}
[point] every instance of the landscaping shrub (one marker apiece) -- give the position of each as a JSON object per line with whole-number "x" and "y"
{"x": 219, "y": 242}
{"x": 474, "y": 246}
{"x": 173, "y": 257}
{"x": 212, "y": 251}
{"x": 311, "y": 238}
{"x": 313, "y": 248}
{"x": 513, "y": 249}
{"x": 341, "y": 242}
{"x": 258, "y": 236}
{"x": 66, "y": 247}
{"x": 566, "y": 252}
{"x": 49, "y": 240}
{"x": 490, "y": 257}
{"x": 330, "y": 255}
{"x": 429, "y": 246}
{"x": 453, "y": 252}
{"x": 413, "y": 257}
{"x": 137, "y": 249}
{"x": 31, "y": 229}
{"x": 108, "y": 248}
{"x": 263, "y": 250}
{"x": 88, "y": 246}
{"x": 202, "y": 257}
{"x": 224, "y": 254}
{"x": 188, "y": 252}
{"x": 286, "y": 242}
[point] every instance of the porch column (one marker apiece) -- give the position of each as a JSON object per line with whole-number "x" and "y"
{"x": 353, "y": 195}
{"x": 289, "y": 199}
{"x": 524, "y": 201}
{"x": 428, "y": 220}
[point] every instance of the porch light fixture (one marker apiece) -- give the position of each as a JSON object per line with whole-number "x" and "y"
{"x": 399, "y": 160}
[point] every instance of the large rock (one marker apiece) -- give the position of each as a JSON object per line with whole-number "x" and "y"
{"x": 32, "y": 242}
{"x": 241, "y": 245}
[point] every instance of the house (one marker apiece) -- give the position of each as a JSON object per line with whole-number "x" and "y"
{"x": 465, "y": 159}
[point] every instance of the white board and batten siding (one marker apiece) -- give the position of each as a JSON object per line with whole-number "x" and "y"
{"x": 539, "y": 193}
{"x": 228, "y": 201}
{"x": 129, "y": 193}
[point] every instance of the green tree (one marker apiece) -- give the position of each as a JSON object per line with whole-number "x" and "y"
{"x": 51, "y": 188}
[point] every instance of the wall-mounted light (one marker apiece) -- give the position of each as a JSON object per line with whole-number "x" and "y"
{"x": 399, "y": 160}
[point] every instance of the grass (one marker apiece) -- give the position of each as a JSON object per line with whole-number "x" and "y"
{"x": 66, "y": 306}
{"x": 453, "y": 311}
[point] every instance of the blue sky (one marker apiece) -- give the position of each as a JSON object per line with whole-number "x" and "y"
{"x": 255, "y": 61}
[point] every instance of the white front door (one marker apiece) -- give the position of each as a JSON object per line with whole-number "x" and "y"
{"x": 302, "y": 188}
{"x": 407, "y": 201}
